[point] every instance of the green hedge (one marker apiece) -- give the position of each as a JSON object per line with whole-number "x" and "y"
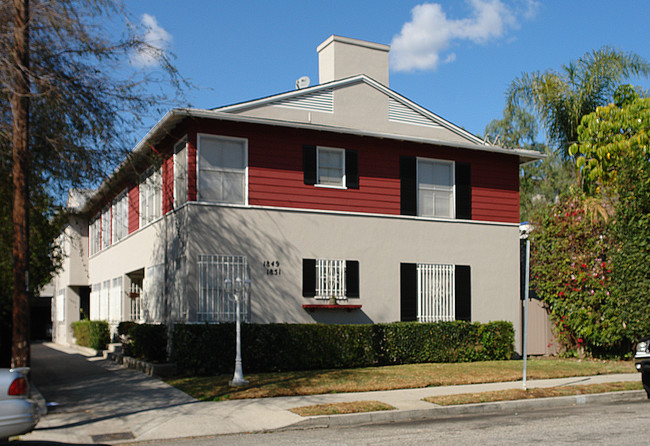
{"x": 209, "y": 349}
{"x": 144, "y": 341}
{"x": 93, "y": 334}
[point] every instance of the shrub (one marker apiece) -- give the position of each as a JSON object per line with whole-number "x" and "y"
{"x": 209, "y": 349}
{"x": 93, "y": 334}
{"x": 144, "y": 341}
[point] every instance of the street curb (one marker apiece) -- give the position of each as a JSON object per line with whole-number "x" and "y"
{"x": 436, "y": 412}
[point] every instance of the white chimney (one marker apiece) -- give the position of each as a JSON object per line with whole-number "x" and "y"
{"x": 341, "y": 57}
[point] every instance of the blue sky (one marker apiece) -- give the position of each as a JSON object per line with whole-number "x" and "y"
{"x": 455, "y": 58}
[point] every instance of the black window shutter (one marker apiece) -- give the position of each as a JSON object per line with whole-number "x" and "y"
{"x": 408, "y": 292}
{"x": 408, "y": 185}
{"x": 309, "y": 164}
{"x": 463, "y": 293}
{"x": 309, "y": 277}
{"x": 352, "y": 278}
{"x": 351, "y": 169}
{"x": 463, "y": 191}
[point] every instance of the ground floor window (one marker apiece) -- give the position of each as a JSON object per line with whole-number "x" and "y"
{"x": 60, "y": 305}
{"x": 327, "y": 278}
{"x": 435, "y": 292}
{"x": 216, "y": 304}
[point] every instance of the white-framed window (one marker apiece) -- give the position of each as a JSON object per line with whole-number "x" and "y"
{"x": 94, "y": 235}
{"x": 435, "y": 188}
{"x": 120, "y": 217}
{"x": 135, "y": 298}
{"x": 180, "y": 172}
{"x": 327, "y": 278}
{"x": 106, "y": 227}
{"x": 436, "y": 293}
{"x": 104, "y": 296}
{"x": 216, "y": 304}
{"x": 222, "y": 169}
{"x": 150, "y": 196}
{"x": 330, "y": 165}
{"x": 115, "y": 300}
{"x": 60, "y": 305}
{"x": 95, "y": 301}
{"x": 330, "y": 279}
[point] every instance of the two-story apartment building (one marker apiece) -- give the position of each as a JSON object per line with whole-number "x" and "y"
{"x": 343, "y": 190}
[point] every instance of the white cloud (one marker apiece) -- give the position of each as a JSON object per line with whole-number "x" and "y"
{"x": 430, "y": 32}
{"x": 156, "y": 38}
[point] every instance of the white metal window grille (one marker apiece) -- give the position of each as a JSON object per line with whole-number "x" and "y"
{"x": 215, "y": 304}
{"x": 106, "y": 227}
{"x": 180, "y": 173}
{"x": 437, "y": 293}
{"x": 331, "y": 167}
{"x": 330, "y": 279}
{"x": 222, "y": 169}
{"x": 120, "y": 217}
{"x": 95, "y": 301}
{"x": 435, "y": 188}
{"x": 115, "y": 300}
{"x": 150, "y": 196}
{"x": 135, "y": 296}
{"x": 93, "y": 243}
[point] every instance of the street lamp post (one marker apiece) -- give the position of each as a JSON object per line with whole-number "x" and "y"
{"x": 236, "y": 292}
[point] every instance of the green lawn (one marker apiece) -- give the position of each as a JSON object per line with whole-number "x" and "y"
{"x": 214, "y": 388}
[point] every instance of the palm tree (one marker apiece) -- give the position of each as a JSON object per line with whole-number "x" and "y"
{"x": 561, "y": 99}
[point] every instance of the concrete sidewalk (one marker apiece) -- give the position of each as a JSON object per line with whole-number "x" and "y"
{"x": 101, "y": 402}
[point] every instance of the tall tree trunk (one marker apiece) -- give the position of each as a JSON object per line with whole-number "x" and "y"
{"x": 20, "y": 110}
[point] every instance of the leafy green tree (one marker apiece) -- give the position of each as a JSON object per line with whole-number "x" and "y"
{"x": 561, "y": 98}
{"x": 608, "y": 136}
{"x": 614, "y": 154}
{"x": 540, "y": 182}
{"x": 572, "y": 272}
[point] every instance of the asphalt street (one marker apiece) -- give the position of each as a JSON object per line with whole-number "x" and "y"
{"x": 607, "y": 424}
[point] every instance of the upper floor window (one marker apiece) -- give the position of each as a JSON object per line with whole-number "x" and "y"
{"x": 331, "y": 167}
{"x": 222, "y": 169}
{"x": 106, "y": 227}
{"x": 94, "y": 235}
{"x": 435, "y": 188}
{"x": 327, "y": 166}
{"x": 180, "y": 173}
{"x": 150, "y": 196}
{"x": 120, "y": 217}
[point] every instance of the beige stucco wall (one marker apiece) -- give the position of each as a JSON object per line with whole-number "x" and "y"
{"x": 379, "y": 243}
{"x": 143, "y": 248}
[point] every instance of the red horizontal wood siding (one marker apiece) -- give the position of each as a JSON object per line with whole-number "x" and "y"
{"x": 168, "y": 183}
{"x": 275, "y": 174}
{"x": 134, "y": 208}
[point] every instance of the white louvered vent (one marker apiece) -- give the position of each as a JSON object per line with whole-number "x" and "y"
{"x": 322, "y": 101}
{"x": 398, "y": 112}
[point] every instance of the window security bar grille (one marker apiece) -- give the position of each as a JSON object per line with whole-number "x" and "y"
{"x": 330, "y": 280}
{"x": 136, "y": 302}
{"x": 436, "y": 291}
{"x": 215, "y": 304}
